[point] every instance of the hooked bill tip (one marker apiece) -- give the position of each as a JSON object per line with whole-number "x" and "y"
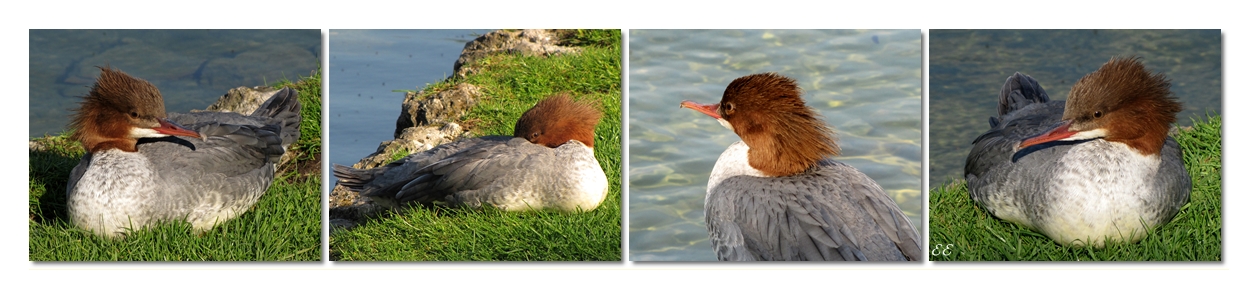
{"x": 1058, "y": 132}
{"x": 172, "y": 129}
{"x": 710, "y": 110}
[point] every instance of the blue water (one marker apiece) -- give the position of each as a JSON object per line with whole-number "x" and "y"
{"x": 368, "y": 68}
{"x": 865, "y": 83}
{"x": 967, "y": 68}
{"x": 191, "y": 68}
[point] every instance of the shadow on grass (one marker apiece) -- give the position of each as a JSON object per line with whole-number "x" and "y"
{"x": 51, "y": 161}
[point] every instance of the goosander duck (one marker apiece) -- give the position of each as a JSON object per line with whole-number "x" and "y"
{"x": 137, "y": 173}
{"x": 548, "y": 164}
{"x": 1095, "y": 169}
{"x": 776, "y": 196}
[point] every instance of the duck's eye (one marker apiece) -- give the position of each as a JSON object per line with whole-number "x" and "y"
{"x": 728, "y": 108}
{"x": 535, "y": 135}
{"x": 1096, "y": 114}
{"x": 133, "y": 114}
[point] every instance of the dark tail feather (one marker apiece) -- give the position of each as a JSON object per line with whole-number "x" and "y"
{"x": 352, "y": 178}
{"x": 285, "y": 108}
{"x": 1020, "y": 91}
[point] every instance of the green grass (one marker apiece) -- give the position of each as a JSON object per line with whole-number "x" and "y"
{"x": 1195, "y": 234}
{"x": 510, "y": 85}
{"x": 283, "y": 226}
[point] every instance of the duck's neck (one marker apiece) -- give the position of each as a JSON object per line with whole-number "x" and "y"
{"x": 1144, "y": 127}
{"x": 784, "y": 155}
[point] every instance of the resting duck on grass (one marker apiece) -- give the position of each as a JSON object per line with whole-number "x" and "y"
{"x": 548, "y": 164}
{"x": 142, "y": 168}
{"x": 1098, "y": 168}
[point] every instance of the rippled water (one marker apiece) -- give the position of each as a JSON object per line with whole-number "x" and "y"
{"x": 368, "y": 71}
{"x": 967, "y": 68}
{"x": 866, "y": 84}
{"x": 191, "y": 68}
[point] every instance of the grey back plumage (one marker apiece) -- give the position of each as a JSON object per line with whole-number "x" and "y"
{"x": 831, "y": 212}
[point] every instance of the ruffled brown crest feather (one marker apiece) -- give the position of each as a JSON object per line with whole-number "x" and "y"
{"x": 558, "y": 119}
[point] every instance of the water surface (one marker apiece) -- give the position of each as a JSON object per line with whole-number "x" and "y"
{"x": 866, "y": 84}
{"x": 369, "y": 72}
{"x": 191, "y": 68}
{"x": 967, "y": 68}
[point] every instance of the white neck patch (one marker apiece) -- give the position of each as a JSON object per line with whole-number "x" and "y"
{"x": 725, "y": 124}
{"x": 137, "y": 133}
{"x": 1089, "y": 134}
{"x": 733, "y": 162}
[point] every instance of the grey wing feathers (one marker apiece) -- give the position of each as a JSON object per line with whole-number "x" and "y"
{"x": 431, "y": 175}
{"x": 727, "y": 236}
{"x": 1025, "y": 110}
{"x": 265, "y": 139}
{"x": 894, "y": 223}
{"x": 473, "y": 169}
{"x": 1173, "y": 180}
{"x": 263, "y": 135}
{"x": 284, "y": 111}
{"x": 227, "y": 149}
{"x": 77, "y": 172}
{"x": 813, "y": 216}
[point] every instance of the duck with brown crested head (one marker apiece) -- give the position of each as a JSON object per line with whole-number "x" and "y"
{"x": 548, "y": 164}
{"x": 137, "y": 173}
{"x": 1094, "y": 170}
{"x": 775, "y": 195}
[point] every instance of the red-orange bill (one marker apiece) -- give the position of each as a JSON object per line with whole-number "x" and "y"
{"x": 1062, "y": 130}
{"x": 169, "y": 128}
{"x": 710, "y": 110}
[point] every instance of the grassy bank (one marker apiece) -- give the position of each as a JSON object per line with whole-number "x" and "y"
{"x": 510, "y": 85}
{"x": 283, "y": 226}
{"x": 971, "y": 234}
